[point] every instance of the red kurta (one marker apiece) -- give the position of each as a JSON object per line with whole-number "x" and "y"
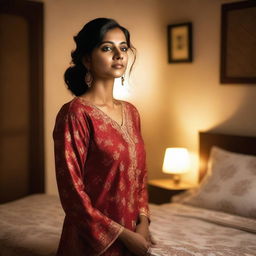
{"x": 101, "y": 177}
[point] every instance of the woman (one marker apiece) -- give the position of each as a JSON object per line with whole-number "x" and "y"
{"x": 99, "y": 151}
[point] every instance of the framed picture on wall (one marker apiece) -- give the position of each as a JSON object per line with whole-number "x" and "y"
{"x": 238, "y": 43}
{"x": 180, "y": 42}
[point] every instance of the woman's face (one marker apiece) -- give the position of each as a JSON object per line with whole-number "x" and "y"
{"x": 109, "y": 59}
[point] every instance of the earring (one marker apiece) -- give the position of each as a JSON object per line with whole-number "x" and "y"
{"x": 88, "y": 79}
{"x": 122, "y": 80}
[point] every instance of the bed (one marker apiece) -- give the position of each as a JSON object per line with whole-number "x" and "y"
{"x": 203, "y": 221}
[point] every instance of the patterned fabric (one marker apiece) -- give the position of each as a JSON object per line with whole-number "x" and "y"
{"x": 230, "y": 185}
{"x": 182, "y": 230}
{"x": 32, "y": 226}
{"x": 101, "y": 177}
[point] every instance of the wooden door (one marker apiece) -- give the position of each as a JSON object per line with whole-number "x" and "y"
{"x": 21, "y": 99}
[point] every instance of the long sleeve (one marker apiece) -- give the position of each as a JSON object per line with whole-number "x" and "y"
{"x": 143, "y": 195}
{"x": 142, "y": 191}
{"x": 71, "y": 141}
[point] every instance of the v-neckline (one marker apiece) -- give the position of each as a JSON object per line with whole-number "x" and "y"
{"x": 83, "y": 101}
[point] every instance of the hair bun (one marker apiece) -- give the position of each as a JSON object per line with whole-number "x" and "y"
{"x": 74, "y": 78}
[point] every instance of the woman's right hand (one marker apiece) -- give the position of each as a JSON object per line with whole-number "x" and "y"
{"x": 135, "y": 242}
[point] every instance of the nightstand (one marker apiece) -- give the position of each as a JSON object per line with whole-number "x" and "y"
{"x": 161, "y": 190}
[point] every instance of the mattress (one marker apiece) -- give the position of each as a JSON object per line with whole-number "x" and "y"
{"x": 32, "y": 226}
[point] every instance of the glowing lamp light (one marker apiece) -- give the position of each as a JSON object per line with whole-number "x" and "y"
{"x": 176, "y": 162}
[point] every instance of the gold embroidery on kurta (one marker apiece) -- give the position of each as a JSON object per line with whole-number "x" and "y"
{"x": 129, "y": 135}
{"x": 68, "y": 136}
{"x": 108, "y": 142}
{"x": 116, "y": 155}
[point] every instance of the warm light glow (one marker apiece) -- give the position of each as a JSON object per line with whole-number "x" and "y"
{"x": 176, "y": 160}
{"x": 121, "y": 92}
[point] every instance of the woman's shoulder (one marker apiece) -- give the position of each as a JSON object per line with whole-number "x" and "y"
{"x": 74, "y": 109}
{"x": 72, "y": 112}
{"x": 130, "y": 106}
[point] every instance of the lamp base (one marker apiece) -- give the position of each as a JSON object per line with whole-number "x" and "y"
{"x": 176, "y": 179}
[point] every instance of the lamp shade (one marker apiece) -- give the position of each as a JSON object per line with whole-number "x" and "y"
{"x": 176, "y": 160}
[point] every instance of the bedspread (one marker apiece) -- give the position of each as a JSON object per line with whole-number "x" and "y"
{"x": 182, "y": 230}
{"x": 32, "y": 226}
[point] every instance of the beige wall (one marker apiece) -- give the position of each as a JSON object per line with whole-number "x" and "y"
{"x": 196, "y": 99}
{"x": 175, "y": 100}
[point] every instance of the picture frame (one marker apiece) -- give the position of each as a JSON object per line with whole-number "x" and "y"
{"x": 180, "y": 42}
{"x": 238, "y": 47}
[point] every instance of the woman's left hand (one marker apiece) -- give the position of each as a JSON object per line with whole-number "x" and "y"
{"x": 142, "y": 229}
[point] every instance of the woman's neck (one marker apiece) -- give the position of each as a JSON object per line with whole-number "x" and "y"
{"x": 101, "y": 93}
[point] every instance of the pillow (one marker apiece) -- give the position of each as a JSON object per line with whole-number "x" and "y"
{"x": 229, "y": 186}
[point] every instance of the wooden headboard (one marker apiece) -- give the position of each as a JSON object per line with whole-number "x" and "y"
{"x": 233, "y": 143}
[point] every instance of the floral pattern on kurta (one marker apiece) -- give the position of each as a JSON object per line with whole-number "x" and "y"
{"x": 101, "y": 176}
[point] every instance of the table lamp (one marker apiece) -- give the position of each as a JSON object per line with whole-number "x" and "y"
{"x": 176, "y": 162}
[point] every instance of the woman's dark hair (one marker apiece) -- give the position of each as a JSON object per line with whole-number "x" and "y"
{"x": 90, "y": 36}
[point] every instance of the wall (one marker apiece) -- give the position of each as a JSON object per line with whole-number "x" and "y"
{"x": 175, "y": 100}
{"x": 196, "y": 99}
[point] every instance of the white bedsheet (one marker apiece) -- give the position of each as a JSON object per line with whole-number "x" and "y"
{"x": 183, "y": 230}
{"x": 32, "y": 226}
